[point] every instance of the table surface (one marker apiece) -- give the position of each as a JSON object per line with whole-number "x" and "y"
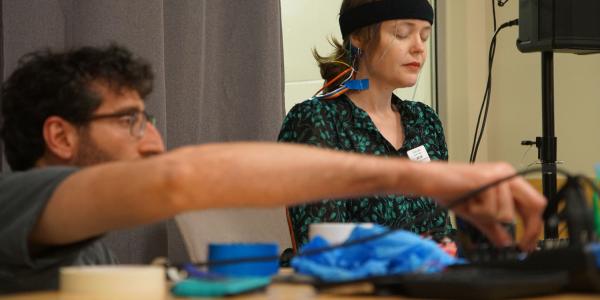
{"x": 273, "y": 292}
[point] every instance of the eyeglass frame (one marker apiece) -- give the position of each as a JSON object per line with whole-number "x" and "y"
{"x": 134, "y": 115}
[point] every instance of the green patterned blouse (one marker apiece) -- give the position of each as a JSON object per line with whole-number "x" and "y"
{"x": 340, "y": 124}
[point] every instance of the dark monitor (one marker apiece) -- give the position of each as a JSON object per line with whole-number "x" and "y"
{"x": 571, "y": 26}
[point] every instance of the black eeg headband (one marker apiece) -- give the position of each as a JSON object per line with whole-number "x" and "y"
{"x": 379, "y": 11}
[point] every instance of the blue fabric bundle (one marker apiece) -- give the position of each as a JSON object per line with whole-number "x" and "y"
{"x": 395, "y": 253}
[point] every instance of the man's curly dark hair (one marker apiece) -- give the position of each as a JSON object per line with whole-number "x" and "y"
{"x": 48, "y": 83}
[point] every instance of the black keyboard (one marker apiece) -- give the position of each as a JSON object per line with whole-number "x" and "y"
{"x": 473, "y": 283}
{"x": 484, "y": 254}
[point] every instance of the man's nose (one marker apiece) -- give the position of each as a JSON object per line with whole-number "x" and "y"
{"x": 151, "y": 143}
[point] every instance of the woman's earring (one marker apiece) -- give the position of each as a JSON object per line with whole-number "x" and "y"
{"x": 354, "y": 51}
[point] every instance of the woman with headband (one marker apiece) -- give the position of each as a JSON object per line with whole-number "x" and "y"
{"x": 384, "y": 48}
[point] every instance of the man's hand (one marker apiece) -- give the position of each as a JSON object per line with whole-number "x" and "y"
{"x": 494, "y": 206}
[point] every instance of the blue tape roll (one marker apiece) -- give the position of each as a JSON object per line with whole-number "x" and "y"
{"x": 218, "y": 252}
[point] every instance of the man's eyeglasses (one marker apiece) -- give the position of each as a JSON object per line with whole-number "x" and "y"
{"x": 136, "y": 120}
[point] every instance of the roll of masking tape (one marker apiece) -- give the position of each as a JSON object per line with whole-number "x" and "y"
{"x": 116, "y": 282}
{"x": 242, "y": 251}
{"x": 334, "y": 233}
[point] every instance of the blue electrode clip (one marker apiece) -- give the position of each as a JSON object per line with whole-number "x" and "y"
{"x": 357, "y": 84}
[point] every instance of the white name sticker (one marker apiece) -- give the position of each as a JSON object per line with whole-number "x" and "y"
{"x": 418, "y": 154}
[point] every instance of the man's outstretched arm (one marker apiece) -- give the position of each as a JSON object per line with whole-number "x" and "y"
{"x": 123, "y": 194}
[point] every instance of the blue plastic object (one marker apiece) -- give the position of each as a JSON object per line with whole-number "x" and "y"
{"x": 396, "y": 253}
{"x": 220, "y": 252}
{"x": 215, "y": 288}
{"x": 357, "y": 84}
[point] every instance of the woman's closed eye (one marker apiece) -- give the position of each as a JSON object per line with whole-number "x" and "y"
{"x": 402, "y": 33}
{"x": 425, "y": 35}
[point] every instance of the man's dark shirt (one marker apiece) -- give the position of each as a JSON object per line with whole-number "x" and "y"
{"x": 25, "y": 267}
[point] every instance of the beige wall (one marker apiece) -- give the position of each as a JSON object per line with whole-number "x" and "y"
{"x": 515, "y": 112}
{"x": 307, "y": 24}
{"x": 462, "y": 59}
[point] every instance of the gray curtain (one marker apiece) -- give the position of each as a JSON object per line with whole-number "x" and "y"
{"x": 218, "y": 67}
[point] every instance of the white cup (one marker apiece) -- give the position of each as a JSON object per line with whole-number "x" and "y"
{"x": 334, "y": 233}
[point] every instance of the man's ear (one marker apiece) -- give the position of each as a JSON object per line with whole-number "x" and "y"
{"x": 61, "y": 138}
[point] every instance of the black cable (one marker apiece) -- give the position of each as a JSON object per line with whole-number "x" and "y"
{"x": 502, "y": 3}
{"x": 451, "y": 204}
{"x": 487, "y": 88}
{"x": 594, "y": 187}
{"x": 494, "y": 14}
{"x": 485, "y": 104}
{"x": 487, "y": 95}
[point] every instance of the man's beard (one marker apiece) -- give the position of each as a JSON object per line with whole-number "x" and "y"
{"x": 89, "y": 153}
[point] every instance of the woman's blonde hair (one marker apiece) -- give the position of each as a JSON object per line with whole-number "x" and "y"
{"x": 333, "y": 64}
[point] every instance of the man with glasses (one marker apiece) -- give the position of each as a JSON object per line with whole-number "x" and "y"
{"x": 85, "y": 108}
{"x": 136, "y": 120}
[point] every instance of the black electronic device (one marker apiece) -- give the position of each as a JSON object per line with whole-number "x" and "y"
{"x": 474, "y": 283}
{"x": 571, "y": 26}
{"x": 457, "y": 282}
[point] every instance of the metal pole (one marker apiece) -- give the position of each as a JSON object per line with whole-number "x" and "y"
{"x": 549, "y": 141}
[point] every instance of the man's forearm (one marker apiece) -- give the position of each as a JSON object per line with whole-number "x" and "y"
{"x": 234, "y": 175}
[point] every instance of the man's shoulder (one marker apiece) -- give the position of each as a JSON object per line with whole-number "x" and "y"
{"x": 37, "y": 174}
{"x": 24, "y": 193}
